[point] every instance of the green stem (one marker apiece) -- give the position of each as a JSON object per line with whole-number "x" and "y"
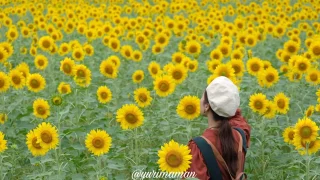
{"x": 136, "y": 145}
{"x": 308, "y": 162}
{"x": 1, "y": 173}
{"x": 58, "y": 151}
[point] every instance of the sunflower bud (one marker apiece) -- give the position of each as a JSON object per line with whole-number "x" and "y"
{"x": 57, "y": 100}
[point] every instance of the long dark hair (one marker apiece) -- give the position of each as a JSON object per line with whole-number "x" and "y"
{"x": 226, "y": 139}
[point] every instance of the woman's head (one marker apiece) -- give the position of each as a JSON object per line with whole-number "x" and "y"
{"x": 206, "y": 110}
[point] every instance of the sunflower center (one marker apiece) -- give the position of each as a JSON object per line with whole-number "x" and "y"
{"x": 316, "y": 50}
{"x": 1, "y": 83}
{"x": 164, "y": 86}
{"x": 154, "y": 70}
{"x": 193, "y": 49}
{"x": 34, "y": 83}
{"x": 306, "y": 132}
{"x": 190, "y": 109}
{"x": 302, "y": 66}
{"x": 291, "y": 135}
{"x": 174, "y": 159}
{"x": 130, "y": 118}
{"x": 314, "y": 77}
{"x": 281, "y": 103}
{"x": 162, "y": 40}
{"x": 270, "y": 77}
{"x": 138, "y": 77}
{"x": 41, "y": 110}
{"x": 292, "y": 49}
{"x": 108, "y": 69}
{"x": 236, "y": 69}
{"x": 98, "y": 142}
{"x": 216, "y": 56}
{"x": 15, "y": 79}
{"x": 143, "y": 97}
{"x": 1, "y": 56}
{"x": 77, "y": 55}
{"x": 191, "y": 66}
{"x": 104, "y": 95}
{"x": 46, "y": 44}
{"x": 80, "y": 73}
{"x": 177, "y": 75}
{"x": 224, "y": 50}
{"x": 64, "y": 89}
{"x": 236, "y": 56}
{"x": 64, "y": 49}
{"x": 35, "y": 144}
{"x": 114, "y": 45}
{"x": 258, "y": 104}
{"x": 41, "y": 62}
{"x": 12, "y": 34}
{"x": 178, "y": 59}
{"x": 250, "y": 41}
{"x": 157, "y": 49}
{"x": 66, "y": 68}
{"x": 46, "y": 137}
{"x": 255, "y": 67}
{"x": 127, "y": 53}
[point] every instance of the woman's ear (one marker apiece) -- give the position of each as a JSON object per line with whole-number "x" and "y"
{"x": 206, "y": 107}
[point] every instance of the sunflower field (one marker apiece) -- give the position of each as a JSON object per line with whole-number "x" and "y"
{"x": 97, "y": 89}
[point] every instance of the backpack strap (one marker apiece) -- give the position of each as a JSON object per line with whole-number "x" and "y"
{"x": 244, "y": 140}
{"x": 209, "y": 158}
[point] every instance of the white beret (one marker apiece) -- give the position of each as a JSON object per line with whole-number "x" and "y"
{"x": 223, "y": 96}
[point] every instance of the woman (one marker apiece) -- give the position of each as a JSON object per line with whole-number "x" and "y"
{"x": 220, "y": 103}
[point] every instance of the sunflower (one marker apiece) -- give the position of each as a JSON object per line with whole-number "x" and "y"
{"x": 164, "y": 85}
{"x": 224, "y": 70}
{"x": 126, "y": 51}
{"x": 216, "y": 54}
{"x": 104, "y": 94}
{"x": 288, "y": 135}
{"x": 268, "y": 77}
{"x": 41, "y": 108}
{"x": 282, "y": 103}
{"x": 35, "y": 82}
{"x": 178, "y": 73}
{"x": 130, "y": 116}
{"x": 154, "y": 69}
{"x": 3, "y": 55}
{"x": 225, "y": 49}
{"x": 157, "y": 49}
{"x": 306, "y": 130}
{"x": 3, "y": 143}
{"x": 114, "y": 44}
{"x": 66, "y": 66}
{"x": 308, "y": 112}
{"x": 12, "y": 34}
{"x": 313, "y": 147}
{"x": 313, "y": 76}
{"x": 78, "y": 54}
{"x": 56, "y": 100}
{"x": 88, "y": 49}
{"x": 33, "y": 146}
{"x": 3, "y": 118}
{"x": 279, "y": 31}
{"x": 302, "y": 64}
{"x": 212, "y": 65}
{"x": 108, "y": 69}
{"x": 64, "y": 49}
{"x": 161, "y": 39}
{"x": 46, "y": 43}
{"x": 41, "y": 62}
{"x": 174, "y": 157}
{"x": 23, "y": 68}
{"x": 17, "y": 79}
{"x": 258, "y": 103}
{"x": 98, "y": 142}
{"x": 254, "y": 65}
{"x": 47, "y": 135}
{"x": 237, "y": 54}
{"x": 251, "y": 40}
{"x": 8, "y": 47}
{"x": 115, "y": 60}
{"x": 188, "y": 107}
{"x": 193, "y": 65}
{"x": 138, "y": 76}
{"x": 137, "y": 56}
{"x": 193, "y": 47}
{"x": 82, "y": 75}
{"x": 238, "y": 66}
{"x": 271, "y": 110}
{"x": 177, "y": 57}
{"x": 142, "y": 97}
{"x": 315, "y": 49}
{"x": 64, "y": 88}
{"x": 291, "y": 47}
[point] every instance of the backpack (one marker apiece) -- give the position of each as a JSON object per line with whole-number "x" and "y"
{"x": 211, "y": 155}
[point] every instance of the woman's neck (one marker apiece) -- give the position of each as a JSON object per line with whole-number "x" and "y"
{"x": 212, "y": 123}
